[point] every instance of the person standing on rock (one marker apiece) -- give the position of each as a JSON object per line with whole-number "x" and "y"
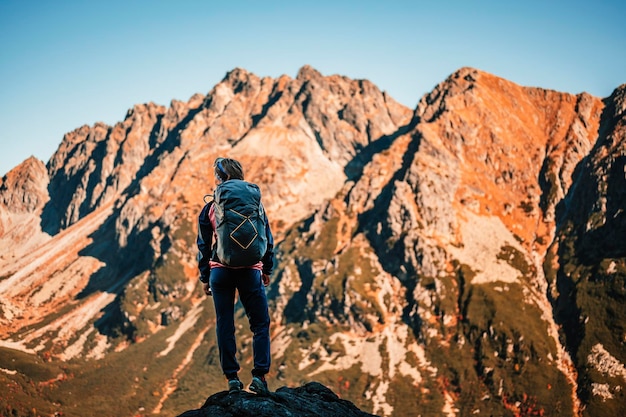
{"x": 236, "y": 253}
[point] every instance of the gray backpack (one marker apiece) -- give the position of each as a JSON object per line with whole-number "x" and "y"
{"x": 240, "y": 223}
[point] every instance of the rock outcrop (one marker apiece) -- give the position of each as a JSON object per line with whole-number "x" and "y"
{"x": 310, "y": 400}
{"x": 23, "y": 194}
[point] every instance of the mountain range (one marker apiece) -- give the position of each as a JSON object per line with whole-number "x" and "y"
{"x": 465, "y": 257}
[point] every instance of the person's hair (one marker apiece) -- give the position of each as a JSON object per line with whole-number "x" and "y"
{"x": 228, "y": 169}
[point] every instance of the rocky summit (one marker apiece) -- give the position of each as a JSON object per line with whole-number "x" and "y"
{"x": 310, "y": 400}
{"x": 464, "y": 257}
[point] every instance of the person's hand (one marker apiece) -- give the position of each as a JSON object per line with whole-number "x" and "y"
{"x": 266, "y": 279}
{"x": 207, "y": 288}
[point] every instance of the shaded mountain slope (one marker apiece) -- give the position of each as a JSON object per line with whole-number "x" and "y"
{"x": 586, "y": 265}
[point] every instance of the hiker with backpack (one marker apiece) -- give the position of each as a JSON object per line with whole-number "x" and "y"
{"x": 236, "y": 253}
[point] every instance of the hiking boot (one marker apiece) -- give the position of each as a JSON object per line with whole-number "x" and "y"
{"x": 234, "y": 385}
{"x": 259, "y": 385}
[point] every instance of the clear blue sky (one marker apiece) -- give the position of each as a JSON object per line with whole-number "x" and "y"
{"x": 64, "y": 64}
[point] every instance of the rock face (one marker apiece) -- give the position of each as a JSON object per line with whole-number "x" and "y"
{"x": 587, "y": 265}
{"x": 463, "y": 257}
{"x": 23, "y": 194}
{"x": 310, "y": 400}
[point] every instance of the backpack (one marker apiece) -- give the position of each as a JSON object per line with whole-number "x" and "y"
{"x": 239, "y": 223}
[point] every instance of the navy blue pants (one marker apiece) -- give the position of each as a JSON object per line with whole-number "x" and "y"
{"x": 224, "y": 282}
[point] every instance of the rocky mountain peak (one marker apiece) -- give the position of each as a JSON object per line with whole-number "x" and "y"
{"x": 23, "y": 195}
{"x": 617, "y": 102}
{"x": 308, "y": 73}
{"x": 23, "y": 189}
{"x": 241, "y": 80}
